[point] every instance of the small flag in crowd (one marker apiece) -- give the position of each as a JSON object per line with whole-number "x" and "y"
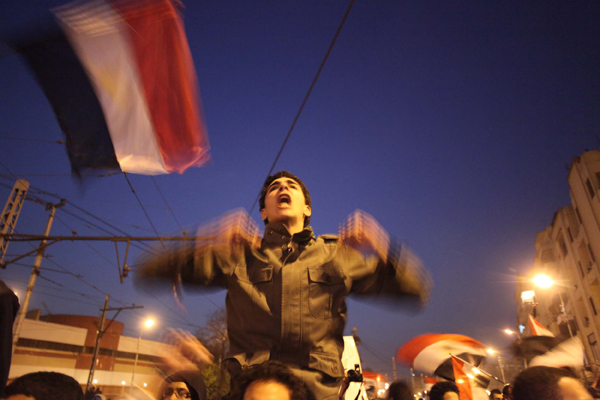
{"x": 431, "y": 353}
{"x": 122, "y": 83}
{"x": 538, "y": 329}
{"x": 471, "y": 381}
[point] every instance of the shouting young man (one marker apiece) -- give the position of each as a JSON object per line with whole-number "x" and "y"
{"x": 286, "y": 291}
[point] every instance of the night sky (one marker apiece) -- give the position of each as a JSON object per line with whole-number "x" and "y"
{"x": 452, "y": 123}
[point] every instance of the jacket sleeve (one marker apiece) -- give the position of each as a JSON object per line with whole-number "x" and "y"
{"x": 193, "y": 264}
{"x": 403, "y": 277}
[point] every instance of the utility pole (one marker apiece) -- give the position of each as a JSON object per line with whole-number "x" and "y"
{"x": 394, "y": 367}
{"x": 10, "y": 214}
{"x": 34, "y": 273}
{"x": 101, "y": 331}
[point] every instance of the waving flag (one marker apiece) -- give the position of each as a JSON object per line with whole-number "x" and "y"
{"x": 431, "y": 353}
{"x": 470, "y": 380}
{"x": 122, "y": 84}
{"x": 538, "y": 329}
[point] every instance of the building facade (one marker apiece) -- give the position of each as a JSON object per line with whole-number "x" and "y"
{"x": 65, "y": 344}
{"x": 567, "y": 252}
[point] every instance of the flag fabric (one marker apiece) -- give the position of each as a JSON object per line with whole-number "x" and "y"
{"x": 430, "y": 353}
{"x": 470, "y": 380}
{"x": 566, "y": 354}
{"x": 538, "y": 329}
{"x": 429, "y": 382}
{"x": 122, "y": 83}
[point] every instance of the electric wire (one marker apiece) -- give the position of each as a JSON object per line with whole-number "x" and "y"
{"x": 312, "y": 85}
{"x": 166, "y": 202}
{"x": 58, "y": 141}
{"x": 143, "y": 209}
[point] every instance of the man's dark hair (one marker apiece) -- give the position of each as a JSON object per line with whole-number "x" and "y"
{"x": 45, "y": 386}
{"x": 271, "y": 371}
{"x": 539, "y": 383}
{"x": 284, "y": 174}
{"x": 438, "y": 390}
{"x": 400, "y": 390}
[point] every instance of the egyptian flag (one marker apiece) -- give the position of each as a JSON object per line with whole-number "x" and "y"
{"x": 538, "y": 329}
{"x": 122, "y": 83}
{"x": 471, "y": 381}
{"x": 431, "y": 353}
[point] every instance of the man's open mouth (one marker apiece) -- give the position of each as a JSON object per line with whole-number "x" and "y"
{"x": 284, "y": 199}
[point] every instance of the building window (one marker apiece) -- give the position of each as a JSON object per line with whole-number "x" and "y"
{"x": 580, "y": 268}
{"x": 570, "y": 234}
{"x": 590, "y": 188}
{"x": 578, "y": 215}
{"x": 593, "y": 306}
{"x": 563, "y": 245}
{"x": 598, "y": 178}
{"x": 592, "y": 255}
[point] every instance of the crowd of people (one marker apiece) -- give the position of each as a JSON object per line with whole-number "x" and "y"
{"x": 286, "y": 307}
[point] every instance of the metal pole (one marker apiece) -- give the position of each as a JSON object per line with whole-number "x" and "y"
{"x": 394, "y": 367}
{"x": 34, "y": 273}
{"x": 99, "y": 334}
{"x": 564, "y": 310}
{"x": 136, "y": 358}
{"x": 501, "y": 368}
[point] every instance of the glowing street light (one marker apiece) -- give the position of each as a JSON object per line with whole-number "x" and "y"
{"x": 543, "y": 281}
{"x": 148, "y": 324}
{"x": 546, "y": 282}
{"x": 509, "y": 332}
{"x": 491, "y": 351}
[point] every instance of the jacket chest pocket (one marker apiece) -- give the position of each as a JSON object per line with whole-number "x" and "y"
{"x": 326, "y": 292}
{"x": 262, "y": 287}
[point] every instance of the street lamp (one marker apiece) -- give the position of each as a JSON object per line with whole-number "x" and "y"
{"x": 546, "y": 282}
{"x": 491, "y": 352}
{"x": 148, "y": 324}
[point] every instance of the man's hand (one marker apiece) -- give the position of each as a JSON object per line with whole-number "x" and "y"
{"x": 186, "y": 354}
{"x": 362, "y": 232}
{"x": 237, "y": 230}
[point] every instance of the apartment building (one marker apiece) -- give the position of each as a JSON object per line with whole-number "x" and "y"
{"x": 567, "y": 252}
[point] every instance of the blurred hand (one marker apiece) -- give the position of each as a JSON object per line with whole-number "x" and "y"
{"x": 186, "y": 354}
{"x": 362, "y": 232}
{"x": 237, "y": 230}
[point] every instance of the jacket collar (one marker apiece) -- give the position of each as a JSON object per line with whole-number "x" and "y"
{"x": 277, "y": 234}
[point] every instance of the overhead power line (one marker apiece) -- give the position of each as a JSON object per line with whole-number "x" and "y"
{"x": 312, "y": 85}
{"x": 143, "y": 209}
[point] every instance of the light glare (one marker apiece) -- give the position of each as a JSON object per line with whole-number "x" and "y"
{"x": 543, "y": 281}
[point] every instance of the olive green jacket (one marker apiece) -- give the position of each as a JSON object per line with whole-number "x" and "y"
{"x": 286, "y": 300}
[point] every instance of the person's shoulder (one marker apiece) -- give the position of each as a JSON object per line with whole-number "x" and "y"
{"x": 328, "y": 239}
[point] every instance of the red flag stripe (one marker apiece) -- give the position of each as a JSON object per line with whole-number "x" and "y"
{"x": 169, "y": 81}
{"x": 411, "y": 349}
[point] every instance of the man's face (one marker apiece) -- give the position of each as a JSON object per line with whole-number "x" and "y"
{"x": 267, "y": 391}
{"x": 285, "y": 203}
{"x": 176, "y": 390}
{"x": 497, "y": 396}
{"x": 571, "y": 389}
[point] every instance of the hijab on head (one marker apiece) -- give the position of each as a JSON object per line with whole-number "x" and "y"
{"x": 193, "y": 381}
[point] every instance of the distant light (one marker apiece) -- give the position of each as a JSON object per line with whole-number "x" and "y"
{"x": 123, "y": 383}
{"x": 460, "y": 381}
{"x": 378, "y": 378}
{"x": 145, "y": 384}
{"x": 470, "y": 376}
{"x": 543, "y": 281}
{"x": 527, "y": 296}
{"x": 95, "y": 381}
{"x": 387, "y": 386}
{"x": 413, "y": 374}
{"x": 491, "y": 351}
{"x": 149, "y": 322}
{"x": 419, "y": 394}
{"x": 488, "y": 392}
{"x": 476, "y": 371}
{"x": 508, "y": 332}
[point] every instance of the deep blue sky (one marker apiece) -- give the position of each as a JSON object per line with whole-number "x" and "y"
{"x": 450, "y": 122}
